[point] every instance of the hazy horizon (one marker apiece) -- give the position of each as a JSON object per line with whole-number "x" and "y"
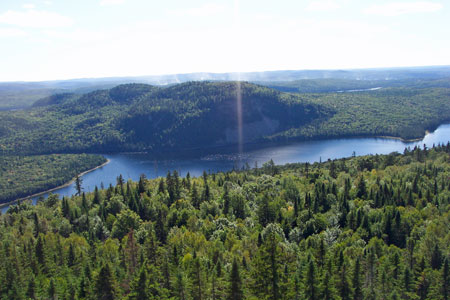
{"x": 231, "y": 72}
{"x": 57, "y": 40}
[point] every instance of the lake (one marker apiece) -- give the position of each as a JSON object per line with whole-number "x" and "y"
{"x": 131, "y": 166}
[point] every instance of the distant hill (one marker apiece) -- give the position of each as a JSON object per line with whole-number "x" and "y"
{"x": 330, "y": 85}
{"x": 15, "y": 95}
{"x": 138, "y": 117}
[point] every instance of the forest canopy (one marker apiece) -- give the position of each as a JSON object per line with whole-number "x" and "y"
{"x": 371, "y": 227}
{"x": 22, "y": 176}
{"x": 139, "y": 117}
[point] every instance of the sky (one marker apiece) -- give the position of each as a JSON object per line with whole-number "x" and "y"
{"x": 63, "y": 39}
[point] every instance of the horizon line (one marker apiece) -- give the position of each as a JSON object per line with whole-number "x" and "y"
{"x": 222, "y": 73}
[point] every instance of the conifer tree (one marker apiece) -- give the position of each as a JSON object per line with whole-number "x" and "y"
{"x": 197, "y": 279}
{"x": 311, "y": 281}
{"x": 235, "y": 285}
{"x": 357, "y": 293}
{"x": 139, "y": 289}
{"x": 78, "y": 185}
{"x": 31, "y": 289}
{"x": 105, "y": 285}
{"x": 445, "y": 280}
{"x": 180, "y": 286}
{"x": 344, "y": 284}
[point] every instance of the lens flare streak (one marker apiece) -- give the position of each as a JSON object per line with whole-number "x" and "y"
{"x": 239, "y": 117}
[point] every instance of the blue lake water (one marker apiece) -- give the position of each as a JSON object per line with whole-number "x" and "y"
{"x": 131, "y": 166}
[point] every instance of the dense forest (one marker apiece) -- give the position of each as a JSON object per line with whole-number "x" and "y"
{"x": 371, "y": 227}
{"x": 332, "y": 85}
{"x": 139, "y": 117}
{"x": 21, "y": 176}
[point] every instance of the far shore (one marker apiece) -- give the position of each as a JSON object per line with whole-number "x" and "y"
{"x": 55, "y": 188}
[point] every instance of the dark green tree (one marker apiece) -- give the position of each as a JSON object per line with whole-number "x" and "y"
{"x": 235, "y": 286}
{"x": 105, "y": 284}
{"x": 78, "y": 185}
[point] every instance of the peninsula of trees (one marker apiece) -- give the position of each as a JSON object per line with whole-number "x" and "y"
{"x": 22, "y": 176}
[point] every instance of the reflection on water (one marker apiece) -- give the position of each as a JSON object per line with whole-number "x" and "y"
{"x": 131, "y": 166}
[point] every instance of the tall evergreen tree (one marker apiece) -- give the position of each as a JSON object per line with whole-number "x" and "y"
{"x": 78, "y": 185}
{"x": 445, "y": 280}
{"x": 311, "y": 281}
{"x": 235, "y": 286}
{"x": 344, "y": 284}
{"x": 105, "y": 285}
{"x": 139, "y": 289}
{"x": 357, "y": 293}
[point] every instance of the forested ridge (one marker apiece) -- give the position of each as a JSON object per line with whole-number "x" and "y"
{"x": 331, "y": 85}
{"x": 22, "y": 176}
{"x": 139, "y": 117}
{"x": 371, "y": 227}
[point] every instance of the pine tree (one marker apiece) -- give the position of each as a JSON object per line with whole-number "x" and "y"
{"x": 52, "y": 290}
{"x": 445, "y": 280}
{"x": 328, "y": 291}
{"x": 344, "y": 284}
{"x": 180, "y": 286}
{"x": 71, "y": 256}
{"x": 310, "y": 281}
{"x": 39, "y": 251}
{"x": 235, "y": 288}
{"x": 83, "y": 288}
{"x": 266, "y": 268}
{"x": 141, "y": 184}
{"x": 422, "y": 286}
{"x": 105, "y": 284}
{"x": 357, "y": 293}
{"x": 194, "y": 196}
{"x": 226, "y": 201}
{"x": 78, "y": 183}
{"x": 96, "y": 199}
{"x": 161, "y": 186}
{"x": 407, "y": 281}
{"x": 436, "y": 258}
{"x": 139, "y": 289}
{"x": 362, "y": 190}
{"x": 31, "y": 289}
{"x": 197, "y": 278}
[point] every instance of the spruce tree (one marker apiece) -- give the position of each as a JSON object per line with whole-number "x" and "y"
{"x": 357, "y": 293}
{"x": 235, "y": 286}
{"x": 445, "y": 280}
{"x": 344, "y": 284}
{"x": 310, "y": 281}
{"x": 105, "y": 285}
{"x": 139, "y": 287}
{"x": 78, "y": 183}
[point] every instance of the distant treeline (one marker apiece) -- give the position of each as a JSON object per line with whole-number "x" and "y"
{"x": 138, "y": 117}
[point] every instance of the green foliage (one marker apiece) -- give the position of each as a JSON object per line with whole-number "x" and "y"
{"x": 138, "y": 117}
{"x": 304, "y": 234}
{"x": 141, "y": 117}
{"x": 22, "y": 176}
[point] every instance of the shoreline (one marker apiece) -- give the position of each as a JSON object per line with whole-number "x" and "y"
{"x": 3, "y": 205}
{"x": 193, "y": 152}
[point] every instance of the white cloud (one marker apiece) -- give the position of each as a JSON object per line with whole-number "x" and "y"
{"x": 11, "y": 32}
{"x": 111, "y": 2}
{"x": 35, "y": 19}
{"x": 206, "y": 10}
{"x": 322, "y": 5}
{"x": 401, "y": 8}
{"x": 28, "y": 6}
